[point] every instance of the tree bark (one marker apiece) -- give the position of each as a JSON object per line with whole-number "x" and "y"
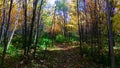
{"x": 32, "y": 26}
{"x": 15, "y": 26}
{"x": 37, "y": 28}
{"x": 6, "y": 33}
{"x": 3, "y": 21}
{"x": 110, "y": 35}
{"x": 25, "y": 26}
{"x": 79, "y": 28}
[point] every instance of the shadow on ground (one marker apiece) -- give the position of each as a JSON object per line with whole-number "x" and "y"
{"x": 63, "y": 57}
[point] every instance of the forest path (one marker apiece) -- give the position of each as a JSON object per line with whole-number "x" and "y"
{"x": 60, "y": 56}
{"x": 63, "y": 56}
{"x": 64, "y": 47}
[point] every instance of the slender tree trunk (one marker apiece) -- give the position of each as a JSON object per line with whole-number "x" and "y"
{"x": 3, "y": 20}
{"x": 6, "y": 33}
{"x": 110, "y": 34}
{"x": 97, "y": 27}
{"x": 44, "y": 56}
{"x": 32, "y": 26}
{"x": 15, "y": 26}
{"x": 25, "y": 26}
{"x": 79, "y": 27}
{"x": 64, "y": 24}
{"x": 91, "y": 31}
{"x": 37, "y": 29}
{"x": 52, "y": 29}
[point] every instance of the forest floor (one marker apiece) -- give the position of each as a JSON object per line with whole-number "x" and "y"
{"x": 61, "y": 56}
{"x": 64, "y": 56}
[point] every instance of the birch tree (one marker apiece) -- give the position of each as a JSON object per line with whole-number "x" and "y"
{"x": 15, "y": 24}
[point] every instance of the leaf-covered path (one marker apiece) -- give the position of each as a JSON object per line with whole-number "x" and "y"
{"x": 65, "y": 56}
{"x": 60, "y": 56}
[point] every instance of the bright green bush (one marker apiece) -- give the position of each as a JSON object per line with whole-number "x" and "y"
{"x": 45, "y": 42}
{"x": 12, "y": 51}
{"x": 60, "y": 38}
{"x": 1, "y": 49}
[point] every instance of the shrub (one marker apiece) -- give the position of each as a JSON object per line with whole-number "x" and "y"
{"x": 12, "y": 51}
{"x": 17, "y": 41}
{"x": 45, "y": 42}
{"x": 60, "y": 38}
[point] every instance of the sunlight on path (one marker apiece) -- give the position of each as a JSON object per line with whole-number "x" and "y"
{"x": 62, "y": 47}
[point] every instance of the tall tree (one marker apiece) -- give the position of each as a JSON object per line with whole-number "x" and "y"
{"x": 79, "y": 26}
{"x": 53, "y": 25}
{"x": 38, "y": 24}
{"x": 110, "y": 33}
{"x": 6, "y": 32}
{"x": 25, "y": 26}
{"x": 15, "y": 24}
{"x": 3, "y": 19}
{"x": 32, "y": 25}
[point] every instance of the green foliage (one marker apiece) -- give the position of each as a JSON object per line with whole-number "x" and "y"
{"x": 12, "y": 51}
{"x": 1, "y": 50}
{"x": 60, "y": 38}
{"x": 72, "y": 38}
{"x": 45, "y": 42}
{"x": 117, "y": 38}
{"x": 62, "y": 5}
{"x": 116, "y": 23}
{"x": 17, "y": 41}
{"x": 44, "y": 35}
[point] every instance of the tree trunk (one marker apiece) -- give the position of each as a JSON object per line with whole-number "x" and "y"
{"x": 37, "y": 29}
{"x": 15, "y": 26}
{"x": 25, "y": 26}
{"x": 52, "y": 28}
{"x": 6, "y": 33}
{"x": 3, "y": 20}
{"x": 79, "y": 28}
{"x": 110, "y": 35}
{"x": 32, "y": 26}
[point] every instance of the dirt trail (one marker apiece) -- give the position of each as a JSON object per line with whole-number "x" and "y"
{"x": 63, "y": 47}
{"x": 65, "y": 57}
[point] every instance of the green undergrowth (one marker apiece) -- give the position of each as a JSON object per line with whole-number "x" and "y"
{"x": 60, "y": 55}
